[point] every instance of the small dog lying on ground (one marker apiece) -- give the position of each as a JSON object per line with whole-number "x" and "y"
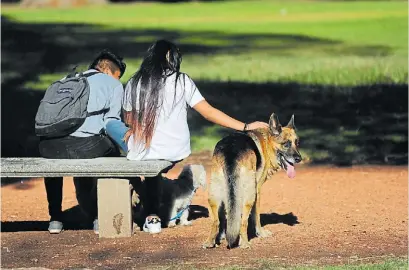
{"x": 176, "y": 196}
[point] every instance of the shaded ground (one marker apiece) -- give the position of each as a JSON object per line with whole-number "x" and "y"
{"x": 326, "y": 215}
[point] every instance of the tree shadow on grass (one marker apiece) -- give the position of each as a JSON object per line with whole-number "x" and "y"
{"x": 337, "y": 125}
{"x": 30, "y": 50}
{"x": 366, "y": 124}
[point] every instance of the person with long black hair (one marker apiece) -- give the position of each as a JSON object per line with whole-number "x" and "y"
{"x": 155, "y": 107}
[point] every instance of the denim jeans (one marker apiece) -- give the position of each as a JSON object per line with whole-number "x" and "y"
{"x": 116, "y": 130}
{"x": 74, "y": 148}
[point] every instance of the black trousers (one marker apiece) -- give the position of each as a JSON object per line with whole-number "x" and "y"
{"x": 74, "y": 148}
{"x": 153, "y": 189}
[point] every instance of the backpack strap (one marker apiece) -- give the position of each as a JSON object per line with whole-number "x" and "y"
{"x": 89, "y": 74}
{"x": 72, "y": 73}
{"x": 86, "y": 75}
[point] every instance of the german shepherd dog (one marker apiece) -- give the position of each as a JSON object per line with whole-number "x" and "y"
{"x": 241, "y": 163}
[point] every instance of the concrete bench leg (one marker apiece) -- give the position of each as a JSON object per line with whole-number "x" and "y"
{"x": 114, "y": 208}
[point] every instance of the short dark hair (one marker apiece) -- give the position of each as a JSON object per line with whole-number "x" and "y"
{"x": 107, "y": 64}
{"x": 114, "y": 62}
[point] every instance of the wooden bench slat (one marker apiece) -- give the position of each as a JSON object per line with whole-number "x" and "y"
{"x": 98, "y": 167}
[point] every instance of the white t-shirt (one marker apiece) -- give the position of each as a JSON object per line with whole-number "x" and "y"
{"x": 171, "y": 137}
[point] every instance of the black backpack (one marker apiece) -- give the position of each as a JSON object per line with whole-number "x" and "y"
{"x": 64, "y": 106}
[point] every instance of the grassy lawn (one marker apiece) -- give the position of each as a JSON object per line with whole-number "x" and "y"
{"x": 391, "y": 264}
{"x": 387, "y": 264}
{"x": 341, "y": 67}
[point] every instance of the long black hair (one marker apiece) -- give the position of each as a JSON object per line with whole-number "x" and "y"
{"x": 162, "y": 59}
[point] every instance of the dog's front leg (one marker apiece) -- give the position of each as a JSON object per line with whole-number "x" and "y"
{"x": 172, "y": 224}
{"x": 184, "y": 217}
{"x": 260, "y": 232}
{"x": 173, "y": 214}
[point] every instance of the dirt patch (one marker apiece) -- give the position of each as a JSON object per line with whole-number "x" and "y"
{"x": 326, "y": 215}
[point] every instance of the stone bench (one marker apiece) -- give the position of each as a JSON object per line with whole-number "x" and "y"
{"x": 114, "y": 201}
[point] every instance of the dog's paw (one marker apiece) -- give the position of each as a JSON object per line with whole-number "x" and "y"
{"x": 263, "y": 233}
{"x": 186, "y": 223}
{"x": 245, "y": 245}
{"x": 208, "y": 244}
{"x": 171, "y": 224}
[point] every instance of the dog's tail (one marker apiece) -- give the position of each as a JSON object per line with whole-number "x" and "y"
{"x": 196, "y": 174}
{"x": 233, "y": 209}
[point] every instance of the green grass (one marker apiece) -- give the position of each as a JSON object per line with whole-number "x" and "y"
{"x": 339, "y": 45}
{"x": 389, "y": 264}
{"x": 367, "y": 40}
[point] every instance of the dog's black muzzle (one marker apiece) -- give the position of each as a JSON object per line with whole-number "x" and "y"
{"x": 297, "y": 158}
{"x": 283, "y": 160}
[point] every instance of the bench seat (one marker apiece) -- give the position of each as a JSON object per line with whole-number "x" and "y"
{"x": 114, "y": 198}
{"x": 97, "y": 167}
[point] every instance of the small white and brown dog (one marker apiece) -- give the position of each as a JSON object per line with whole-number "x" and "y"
{"x": 176, "y": 196}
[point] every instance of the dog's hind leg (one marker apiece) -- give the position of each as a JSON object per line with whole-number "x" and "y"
{"x": 260, "y": 232}
{"x": 214, "y": 231}
{"x": 223, "y": 224}
{"x": 248, "y": 187}
{"x": 244, "y": 240}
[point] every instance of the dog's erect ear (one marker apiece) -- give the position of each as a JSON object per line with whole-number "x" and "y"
{"x": 275, "y": 126}
{"x": 291, "y": 123}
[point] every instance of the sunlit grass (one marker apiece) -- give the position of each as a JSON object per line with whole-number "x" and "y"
{"x": 387, "y": 264}
{"x": 259, "y": 41}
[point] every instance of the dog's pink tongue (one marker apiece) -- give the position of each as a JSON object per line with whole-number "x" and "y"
{"x": 290, "y": 170}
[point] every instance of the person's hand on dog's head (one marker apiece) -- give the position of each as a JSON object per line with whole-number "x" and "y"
{"x": 256, "y": 125}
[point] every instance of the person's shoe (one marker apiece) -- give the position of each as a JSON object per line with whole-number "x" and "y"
{"x": 152, "y": 225}
{"x": 96, "y": 226}
{"x": 55, "y": 227}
